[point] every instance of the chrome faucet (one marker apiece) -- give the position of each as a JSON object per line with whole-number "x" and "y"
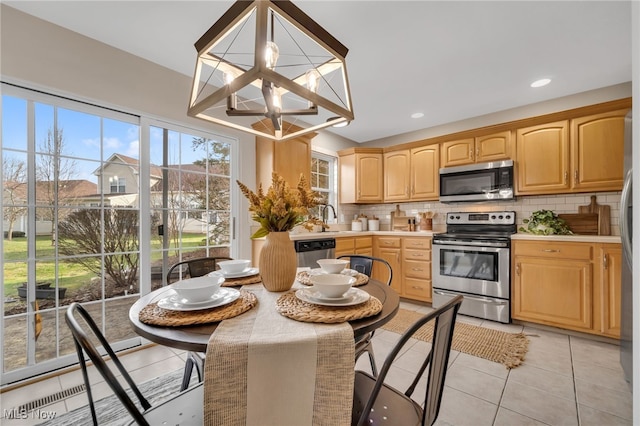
{"x": 324, "y": 214}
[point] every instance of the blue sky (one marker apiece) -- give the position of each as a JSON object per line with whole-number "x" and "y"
{"x": 84, "y": 136}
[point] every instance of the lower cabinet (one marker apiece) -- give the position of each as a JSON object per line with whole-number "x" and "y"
{"x": 568, "y": 285}
{"x": 410, "y": 260}
{"x": 354, "y": 245}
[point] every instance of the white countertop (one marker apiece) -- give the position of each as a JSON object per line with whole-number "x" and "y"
{"x": 427, "y": 234}
{"x": 568, "y": 238}
{"x": 338, "y": 234}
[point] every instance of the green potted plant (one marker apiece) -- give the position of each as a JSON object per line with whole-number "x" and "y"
{"x": 545, "y": 222}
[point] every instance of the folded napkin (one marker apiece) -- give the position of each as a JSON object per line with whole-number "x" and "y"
{"x": 265, "y": 369}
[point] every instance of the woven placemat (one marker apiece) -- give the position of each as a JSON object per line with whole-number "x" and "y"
{"x": 153, "y": 315}
{"x": 292, "y": 307}
{"x": 304, "y": 277}
{"x": 235, "y": 282}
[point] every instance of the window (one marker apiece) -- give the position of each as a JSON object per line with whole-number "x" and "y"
{"x": 80, "y": 233}
{"x": 324, "y": 182}
{"x": 117, "y": 185}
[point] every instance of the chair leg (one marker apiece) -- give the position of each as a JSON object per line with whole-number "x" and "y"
{"x": 186, "y": 377}
{"x": 199, "y": 364}
{"x": 372, "y": 360}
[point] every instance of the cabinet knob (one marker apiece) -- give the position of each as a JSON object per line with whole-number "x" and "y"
{"x": 417, "y": 269}
{"x": 518, "y": 269}
{"x": 551, "y": 251}
{"x": 605, "y": 261}
{"x": 575, "y": 176}
{"x": 471, "y": 153}
{"x": 415, "y": 287}
{"x": 566, "y": 176}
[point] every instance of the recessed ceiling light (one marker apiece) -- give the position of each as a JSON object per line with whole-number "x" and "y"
{"x": 541, "y": 82}
{"x": 417, "y": 115}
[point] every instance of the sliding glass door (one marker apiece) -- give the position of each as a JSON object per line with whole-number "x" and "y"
{"x": 95, "y": 207}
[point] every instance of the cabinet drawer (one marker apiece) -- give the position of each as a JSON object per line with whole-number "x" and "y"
{"x": 416, "y": 269}
{"x": 554, "y": 250}
{"x": 363, "y": 242}
{"x": 417, "y": 243}
{"x": 345, "y": 245}
{"x": 418, "y": 289}
{"x": 423, "y": 255}
{"x": 387, "y": 242}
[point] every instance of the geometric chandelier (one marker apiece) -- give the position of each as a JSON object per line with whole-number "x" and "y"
{"x": 265, "y": 67}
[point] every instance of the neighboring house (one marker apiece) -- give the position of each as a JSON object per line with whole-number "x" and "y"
{"x": 118, "y": 186}
{"x": 69, "y": 193}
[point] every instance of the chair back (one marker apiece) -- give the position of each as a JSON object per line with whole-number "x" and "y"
{"x": 193, "y": 268}
{"x": 436, "y": 360}
{"x": 84, "y": 343}
{"x": 364, "y": 264}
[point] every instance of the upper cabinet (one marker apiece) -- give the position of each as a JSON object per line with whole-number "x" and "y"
{"x": 578, "y": 155}
{"x": 493, "y": 147}
{"x": 412, "y": 174}
{"x": 361, "y": 171}
{"x": 543, "y": 158}
{"x": 597, "y": 145}
{"x": 288, "y": 158}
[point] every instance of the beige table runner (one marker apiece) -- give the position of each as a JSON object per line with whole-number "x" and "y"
{"x": 265, "y": 369}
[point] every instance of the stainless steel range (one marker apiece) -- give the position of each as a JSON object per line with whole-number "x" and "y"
{"x": 473, "y": 259}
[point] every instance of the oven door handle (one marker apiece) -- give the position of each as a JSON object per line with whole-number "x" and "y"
{"x": 470, "y": 243}
{"x": 476, "y": 298}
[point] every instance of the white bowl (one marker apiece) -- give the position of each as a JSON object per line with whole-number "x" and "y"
{"x": 332, "y": 285}
{"x": 197, "y": 289}
{"x": 332, "y": 266}
{"x": 234, "y": 266}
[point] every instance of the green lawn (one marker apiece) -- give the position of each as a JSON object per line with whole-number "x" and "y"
{"x": 72, "y": 276}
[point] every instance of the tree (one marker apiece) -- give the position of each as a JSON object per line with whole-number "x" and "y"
{"x": 14, "y": 175}
{"x": 81, "y": 233}
{"x": 52, "y": 170}
{"x": 214, "y": 192}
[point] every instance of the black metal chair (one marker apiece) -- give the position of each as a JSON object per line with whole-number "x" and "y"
{"x": 375, "y": 402}
{"x": 186, "y": 407}
{"x": 364, "y": 265}
{"x": 193, "y": 268}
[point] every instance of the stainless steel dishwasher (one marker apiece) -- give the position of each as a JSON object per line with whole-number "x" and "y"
{"x": 309, "y": 251}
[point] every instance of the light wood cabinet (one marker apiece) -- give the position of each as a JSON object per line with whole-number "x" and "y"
{"x": 416, "y": 268}
{"x": 361, "y": 171}
{"x": 397, "y": 175}
{"x": 354, "y": 245}
{"x": 412, "y": 174}
{"x": 578, "y": 155}
{"x": 482, "y": 149}
{"x": 289, "y": 158}
{"x": 568, "y": 285}
{"x": 542, "y": 154}
{"x": 597, "y": 145}
{"x": 389, "y": 249}
{"x": 410, "y": 260}
{"x": 424, "y": 167}
{"x": 610, "y": 264}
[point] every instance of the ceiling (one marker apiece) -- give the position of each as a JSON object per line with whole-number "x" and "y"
{"x": 450, "y": 60}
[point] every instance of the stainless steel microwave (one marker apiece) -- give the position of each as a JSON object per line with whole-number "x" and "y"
{"x": 477, "y": 182}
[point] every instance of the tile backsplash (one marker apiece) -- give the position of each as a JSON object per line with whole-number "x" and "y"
{"x": 523, "y": 206}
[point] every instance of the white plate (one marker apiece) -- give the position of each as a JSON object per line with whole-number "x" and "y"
{"x": 246, "y": 273}
{"x": 222, "y": 297}
{"x": 320, "y": 271}
{"x": 354, "y": 296}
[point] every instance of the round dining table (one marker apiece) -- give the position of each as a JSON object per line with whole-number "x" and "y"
{"x": 196, "y": 337}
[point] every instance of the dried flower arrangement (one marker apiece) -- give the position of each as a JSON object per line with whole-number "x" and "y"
{"x": 282, "y": 208}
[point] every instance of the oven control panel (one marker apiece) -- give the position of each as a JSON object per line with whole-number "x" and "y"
{"x": 486, "y": 218}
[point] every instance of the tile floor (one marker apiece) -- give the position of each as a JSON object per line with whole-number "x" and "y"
{"x": 565, "y": 380}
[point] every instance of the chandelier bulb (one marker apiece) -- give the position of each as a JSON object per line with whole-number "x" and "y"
{"x": 228, "y": 78}
{"x": 313, "y": 79}
{"x": 271, "y": 55}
